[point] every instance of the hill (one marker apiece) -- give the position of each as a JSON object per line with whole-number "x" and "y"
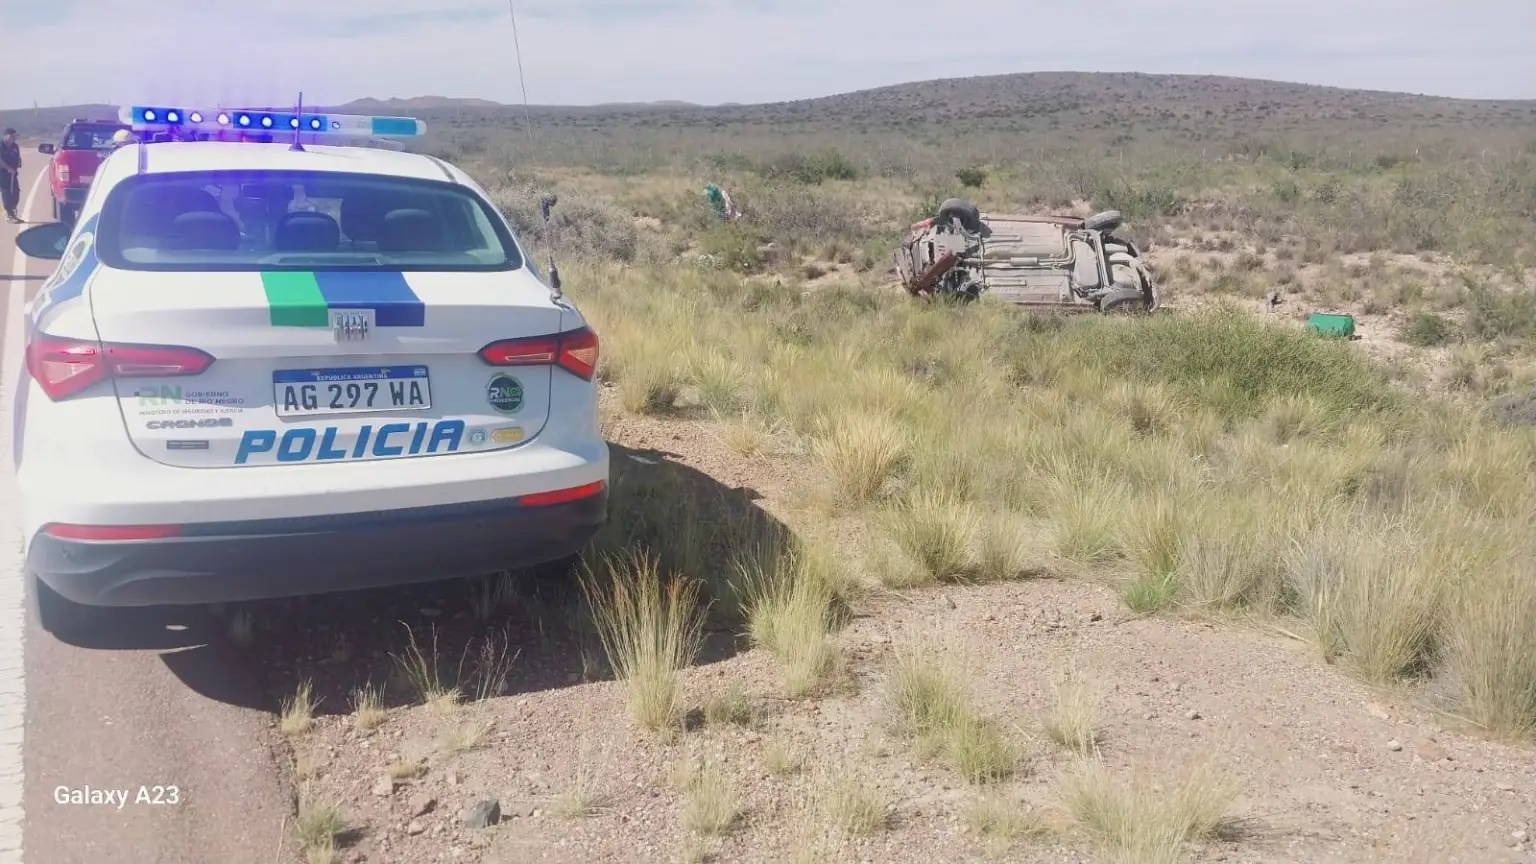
{"x": 1069, "y": 101}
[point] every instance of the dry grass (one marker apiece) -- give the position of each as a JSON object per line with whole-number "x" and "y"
{"x": 927, "y": 702}
{"x": 1001, "y": 823}
{"x": 789, "y": 596}
{"x": 1147, "y": 820}
{"x": 650, "y": 627}
{"x": 733, "y": 705}
{"x": 298, "y": 712}
{"x": 368, "y": 708}
{"x": 1074, "y": 720}
{"x": 1204, "y": 460}
{"x": 406, "y": 769}
{"x": 423, "y": 674}
{"x": 860, "y": 453}
{"x": 581, "y": 800}
{"x": 780, "y": 760}
{"x": 856, "y": 806}
{"x": 462, "y": 737}
{"x": 319, "y": 826}
{"x": 710, "y": 806}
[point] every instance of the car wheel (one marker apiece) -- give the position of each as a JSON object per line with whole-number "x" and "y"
{"x": 57, "y": 615}
{"x": 968, "y": 215}
{"x": 1104, "y": 222}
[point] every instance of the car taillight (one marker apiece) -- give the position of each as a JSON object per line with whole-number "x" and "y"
{"x": 63, "y": 171}
{"x": 575, "y": 351}
{"x": 562, "y": 496}
{"x": 64, "y": 367}
{"x": 65, "y": 531}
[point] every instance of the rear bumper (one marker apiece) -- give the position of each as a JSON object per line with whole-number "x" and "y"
{"x": 252, "y": 560}
{"x": 73, "y": 194}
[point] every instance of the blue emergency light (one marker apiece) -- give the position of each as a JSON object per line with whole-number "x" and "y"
{"x": 161, "y": 118}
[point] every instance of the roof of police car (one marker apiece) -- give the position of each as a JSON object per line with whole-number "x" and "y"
{"x": 177, "y": 156}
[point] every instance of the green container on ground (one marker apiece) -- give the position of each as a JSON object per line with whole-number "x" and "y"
{"x": 1325, "y": 324}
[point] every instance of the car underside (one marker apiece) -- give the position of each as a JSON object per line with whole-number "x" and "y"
{"x": 1062, "y": 262}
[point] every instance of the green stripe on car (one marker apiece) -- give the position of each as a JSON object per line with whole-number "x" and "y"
{"x": 294, "y": 300}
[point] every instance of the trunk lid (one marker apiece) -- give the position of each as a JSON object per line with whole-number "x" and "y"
{"x": 327, "y": 366}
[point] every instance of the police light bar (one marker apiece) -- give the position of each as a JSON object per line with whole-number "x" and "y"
{"x": 150, "y": 117}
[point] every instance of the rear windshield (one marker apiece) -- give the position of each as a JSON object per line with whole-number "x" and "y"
{"x": 83, "y": 137}
{"x": 302, "y": 221}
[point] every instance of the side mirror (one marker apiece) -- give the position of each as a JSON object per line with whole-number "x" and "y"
{"x": 45, "y": 148}
{"x": 44, "y": 241}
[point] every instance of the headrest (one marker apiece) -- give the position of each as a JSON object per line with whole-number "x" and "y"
{"x": 361, "y": 215}
{"x": 202, "y": 229}
{"x": 304, "y": 231}
{"x": 412, "y": 230}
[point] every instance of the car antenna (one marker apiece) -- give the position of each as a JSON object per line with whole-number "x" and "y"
{"x": 554, "y": 270}
{"x": 298, "y": 124}
{"x": 548, "y": 201}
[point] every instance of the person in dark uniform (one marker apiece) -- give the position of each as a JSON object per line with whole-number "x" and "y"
{"x": 10, "y": 175}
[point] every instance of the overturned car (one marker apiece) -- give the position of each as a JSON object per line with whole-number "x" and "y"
{"x": 1047, "y": 261}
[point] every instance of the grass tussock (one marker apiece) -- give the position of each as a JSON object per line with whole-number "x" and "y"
{"x": 319, "y": 828}
{"x": 1001, "y": 823}
{"x": 791, "y": 607}
{"x": 650, "y": 628}
{"x": 927, "y": 702}
{"x": 732, "y": 706}
{"x": 1074, "y": 718}
{"x": 856, "y": 806}
{"x": 1143, "y": 820}
{"x": 368, "y": 708}
{"x": 711, "y": 807}
{"x": 298, "y": 711}
{"x": 860, "y": 453}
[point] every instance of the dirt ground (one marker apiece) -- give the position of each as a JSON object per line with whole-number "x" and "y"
{"x": 1328, "y": 769}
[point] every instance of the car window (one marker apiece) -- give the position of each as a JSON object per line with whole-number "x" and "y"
{"x": 308, "y": 221}
{"x": 90, "y": 137}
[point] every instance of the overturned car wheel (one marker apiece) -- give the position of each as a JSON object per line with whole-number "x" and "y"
{"x": 1104, "y": 222}
{"x": 962, "y": 211}
{"x": 1124, "y": 301}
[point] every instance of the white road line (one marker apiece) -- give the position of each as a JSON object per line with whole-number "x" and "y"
{"x": 13, "y": 610}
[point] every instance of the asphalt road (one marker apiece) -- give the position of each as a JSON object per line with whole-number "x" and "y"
{"x": 156, "y": 704}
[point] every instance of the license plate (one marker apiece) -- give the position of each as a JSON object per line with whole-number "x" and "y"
{"x": 356, "y": 390}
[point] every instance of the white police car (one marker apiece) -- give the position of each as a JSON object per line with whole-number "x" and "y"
{"x": 274, "y": 369}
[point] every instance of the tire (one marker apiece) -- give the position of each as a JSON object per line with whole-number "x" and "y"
{"x": 1104, "y": 222}
{"x": 1123, "y": 301}
{"x": 963, "y": 211}
{"x": 63, "y": 618}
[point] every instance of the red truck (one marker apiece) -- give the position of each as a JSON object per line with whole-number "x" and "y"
{"x": 84, "y": 145}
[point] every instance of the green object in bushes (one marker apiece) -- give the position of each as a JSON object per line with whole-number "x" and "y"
{"x": 1325, "y": 324}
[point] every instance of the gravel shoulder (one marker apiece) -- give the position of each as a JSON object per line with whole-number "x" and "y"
{"x": 1329, "y": 770}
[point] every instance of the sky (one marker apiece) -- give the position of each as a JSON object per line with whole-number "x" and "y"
{"x": 582, "y": 52}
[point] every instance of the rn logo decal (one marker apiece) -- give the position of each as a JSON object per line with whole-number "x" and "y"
{"x": 308, "y": 444}
{"x": 505, "y": 394}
